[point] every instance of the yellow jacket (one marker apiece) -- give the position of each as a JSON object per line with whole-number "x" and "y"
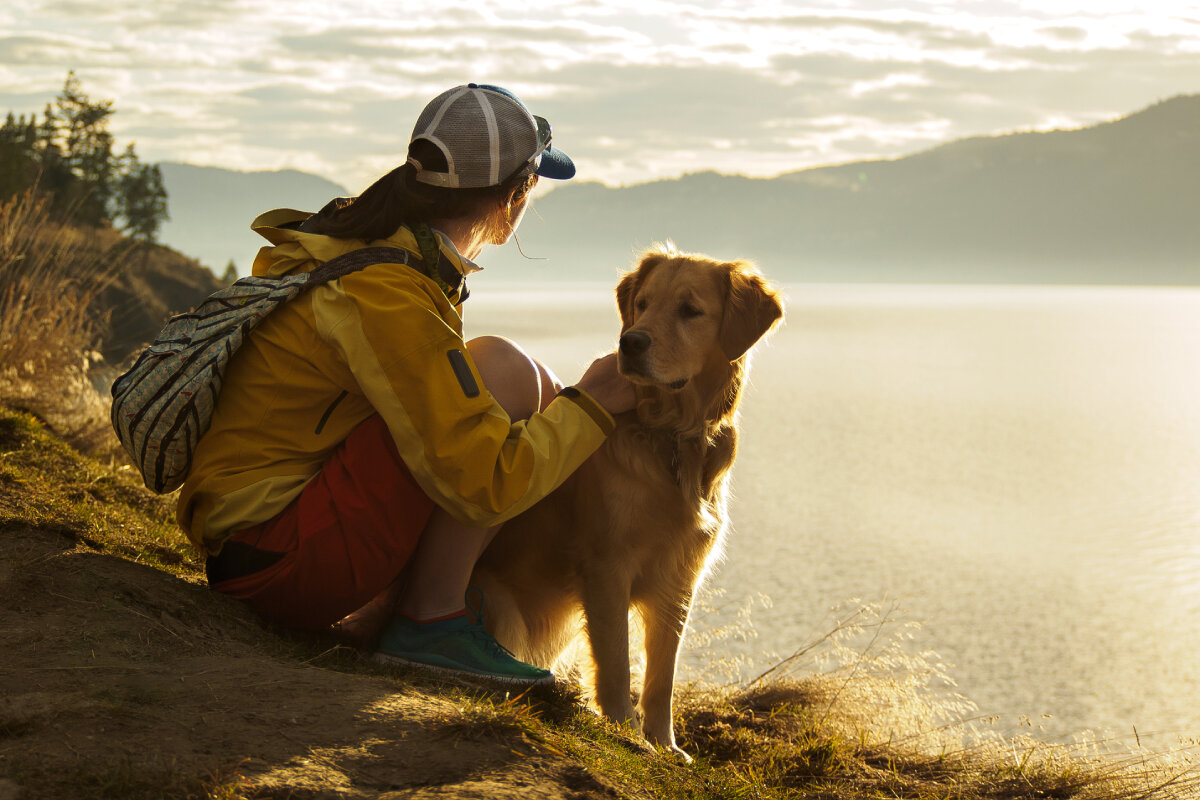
{"x": 384, "y": 339}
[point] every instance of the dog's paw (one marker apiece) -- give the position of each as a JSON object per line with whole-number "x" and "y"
{"x": 666, "y": 743}
{"x": 674, "y": 751}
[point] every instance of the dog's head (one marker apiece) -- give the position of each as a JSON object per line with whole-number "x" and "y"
{"x": 684, "y": 314}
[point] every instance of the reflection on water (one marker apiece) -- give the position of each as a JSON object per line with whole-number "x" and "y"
{"x": 1019, "y": 466}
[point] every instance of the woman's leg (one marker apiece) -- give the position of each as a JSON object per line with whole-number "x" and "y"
{"x": 432, "y": 627}
{"x": 448, "y": 549}
{"x": 435, "y": 581}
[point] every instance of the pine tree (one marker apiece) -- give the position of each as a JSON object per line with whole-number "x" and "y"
{"x": 68, "y": 154}
{"x": 17, "y": 166}
{"x": 140, "y": 197}
{"x": 87, "y": 150}
{"x": 54, "y": 173}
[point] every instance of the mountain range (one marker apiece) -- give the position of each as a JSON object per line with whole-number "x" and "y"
{"x": 1113, "y": 203}
{"x": 211, "y": 209}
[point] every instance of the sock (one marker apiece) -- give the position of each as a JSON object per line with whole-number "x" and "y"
{"x": 462, "y": 612}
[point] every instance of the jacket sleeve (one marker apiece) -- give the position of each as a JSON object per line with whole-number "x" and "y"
{"x": 414, "y": 368}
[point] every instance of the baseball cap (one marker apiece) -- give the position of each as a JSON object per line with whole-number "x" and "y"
{"x": 487, "y": 135}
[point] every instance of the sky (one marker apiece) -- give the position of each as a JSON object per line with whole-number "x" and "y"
{"x": 636, "y": 90}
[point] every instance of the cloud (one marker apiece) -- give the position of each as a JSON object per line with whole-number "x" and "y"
{"x": 1066, "y": 33}
{"x": 924, "y": 33}
{"x": 56, "y": 50}
{"x": 625, "y": 123}
{"x": 136, "y": 15}
{"x": 636, "y": 89}
{"x": 354, "y": 44}
{"x": 426, "y": 50}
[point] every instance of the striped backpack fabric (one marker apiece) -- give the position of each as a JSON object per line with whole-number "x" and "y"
{"x": 164, "y": 403}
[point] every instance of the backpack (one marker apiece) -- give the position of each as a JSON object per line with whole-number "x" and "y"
{"x": 164, "y": 403}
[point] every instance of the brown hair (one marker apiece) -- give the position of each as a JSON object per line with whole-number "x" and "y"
{"x": 398, "y": 198}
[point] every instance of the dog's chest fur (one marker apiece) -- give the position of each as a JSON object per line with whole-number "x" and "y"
{"x": 682, "y": 481}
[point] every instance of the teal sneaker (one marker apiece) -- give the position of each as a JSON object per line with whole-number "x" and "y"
{"x": 455, "y": 645}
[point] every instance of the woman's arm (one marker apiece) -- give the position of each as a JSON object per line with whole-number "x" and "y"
{"x": 413, "y": 367}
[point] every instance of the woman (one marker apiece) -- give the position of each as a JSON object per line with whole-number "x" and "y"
{"x": 362, "y": 455}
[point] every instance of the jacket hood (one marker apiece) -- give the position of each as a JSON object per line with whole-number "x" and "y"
{"x": 293, "y": 251}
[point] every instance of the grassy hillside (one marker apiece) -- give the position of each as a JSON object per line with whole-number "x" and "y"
{"x": 125, "y": 677}
{"x": 148, "y": 284}
{"x": 74, "y": 304}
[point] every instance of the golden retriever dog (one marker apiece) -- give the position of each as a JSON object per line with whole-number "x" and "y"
{"x": 638, "y": 525}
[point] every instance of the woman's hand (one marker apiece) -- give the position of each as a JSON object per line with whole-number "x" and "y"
{"x": 608, "y": 387}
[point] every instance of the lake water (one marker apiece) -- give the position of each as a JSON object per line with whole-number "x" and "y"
{"x": 1018, "y": 468}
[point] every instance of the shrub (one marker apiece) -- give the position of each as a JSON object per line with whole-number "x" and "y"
{"x": 49, "y": 276}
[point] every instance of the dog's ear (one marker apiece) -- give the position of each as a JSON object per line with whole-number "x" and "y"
{"x": 625, "y": 290}
{"x": 750, "y": 311}
{"x": 627, "y": 287}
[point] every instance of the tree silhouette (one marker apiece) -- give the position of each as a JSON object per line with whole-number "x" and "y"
{"x": 140, "y": 198}
{"x": 69, "y": 155}
{"x": 87, "y": 150}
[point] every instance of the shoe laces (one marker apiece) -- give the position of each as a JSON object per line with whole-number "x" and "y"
{"x": 477, "y": 629}
{"x": 476, "y": 609}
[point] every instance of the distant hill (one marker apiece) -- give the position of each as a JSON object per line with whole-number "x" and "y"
{"x": 1111, "y": 203}
{"x": 153, "y": 283}
{"x": 211, "y": 209}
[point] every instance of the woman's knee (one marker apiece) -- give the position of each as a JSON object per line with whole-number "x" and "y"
{"x": 520, "y": 384}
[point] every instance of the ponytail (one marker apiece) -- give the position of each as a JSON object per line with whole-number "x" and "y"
{"x": 399, "y": 199}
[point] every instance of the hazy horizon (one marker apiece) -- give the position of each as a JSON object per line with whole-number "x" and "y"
{"x": 547, "y": 186}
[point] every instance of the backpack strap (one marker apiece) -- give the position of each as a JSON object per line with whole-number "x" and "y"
{"x": 438, "y": 266}
{"x": 364, "y": 257}
{"x": 355, "y": 260}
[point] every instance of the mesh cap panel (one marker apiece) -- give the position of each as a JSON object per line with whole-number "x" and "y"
{"x": 485, "y": 135}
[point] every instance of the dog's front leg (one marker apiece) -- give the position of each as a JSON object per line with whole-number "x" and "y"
{"x": 665, "y": 617}
{"x": 606, "y": 608}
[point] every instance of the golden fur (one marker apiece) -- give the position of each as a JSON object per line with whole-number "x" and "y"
{"x": 639, "y": 523}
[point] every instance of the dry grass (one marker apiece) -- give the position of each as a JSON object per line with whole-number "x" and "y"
{"x": 859, "y": 713}
{"x": 50, "y": 275}
{"x": 781, "y": 736}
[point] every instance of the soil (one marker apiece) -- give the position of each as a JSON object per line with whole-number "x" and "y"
{"x": 120, "y": 680}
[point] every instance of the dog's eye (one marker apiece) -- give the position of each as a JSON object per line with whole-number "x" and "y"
{"x": 689, "y": 311}
{"x": 641, "y": 304}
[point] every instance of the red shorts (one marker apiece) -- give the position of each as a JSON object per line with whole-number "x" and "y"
{"x": 347, "y": 536}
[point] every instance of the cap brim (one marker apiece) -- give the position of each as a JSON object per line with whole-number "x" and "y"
{"x": 556, "y": 164}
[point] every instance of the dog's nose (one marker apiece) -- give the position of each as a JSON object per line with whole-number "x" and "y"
{"x": 634, "y": 343}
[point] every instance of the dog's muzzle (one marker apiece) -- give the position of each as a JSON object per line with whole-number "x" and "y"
{"x": 632, "y": 349}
